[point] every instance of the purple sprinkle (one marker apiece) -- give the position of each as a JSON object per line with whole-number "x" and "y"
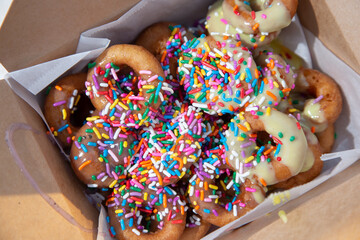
{"x": 59, "y": 103}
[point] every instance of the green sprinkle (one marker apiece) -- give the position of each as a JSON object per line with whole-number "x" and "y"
{"x": 151, "y": 98}
{"x": 158, "y": 136}
{"x": 79, "y": 139}
{"x": 114, "y": 66}
{"x": 259, "y": 113}
{"x": 47, "y": 90}
{"x": 135, "y": 189}
{"x": 201, "y": 96}
{"x": 280, "y": 134}
{"x": 187, "y": 55}
{"x": 253, "y": 40}
{"x": 89, "y": 130}
{"x": 91, "y": 65}
{"x": 93, "y": 177}
{"x": 281, "y": 94}
{"x": 107, "y": 72}
{"x": 292, "y": 138}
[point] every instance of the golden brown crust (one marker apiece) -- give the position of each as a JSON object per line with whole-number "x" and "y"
{"x": 54, "y": 114}
{"x": 327, "y": 138}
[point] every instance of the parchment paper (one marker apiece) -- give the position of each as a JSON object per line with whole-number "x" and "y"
{"x": 30, "y": 83}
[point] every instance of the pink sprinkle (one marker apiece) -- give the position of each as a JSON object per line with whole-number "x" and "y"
{"x": 108, "y": 65}
{"x": 242, "y": 204}
{"x": 249, "y": 62}
{"x": 318, "y": 99}
{"x": 59, "y": 103}
{"x": 113, "y": 73}
{"x": 224, "y": 21}
{"x": 250, "y": 189}
{"x": 263, "y": 16}
{"x": 152, "y": 78}
{"x": 145, "y": 72}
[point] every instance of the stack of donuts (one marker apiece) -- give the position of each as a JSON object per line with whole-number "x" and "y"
{"x": 188, "y": 128}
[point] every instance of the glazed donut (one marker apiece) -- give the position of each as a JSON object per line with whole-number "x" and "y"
{"x": 260, "y": 16}
{"x": 312, "y": 166}
{"x": 102, "y": 81}
{"x": 274, "y": 162}
{"x": 101, "y": 155}
{"x": 138, "y": 212}
{"x": 66, "y": 108}
{"x": 218, "y": 195}
{"x": 327, "y": 105}
{"x": 169, "y": 147}
{"x": 217, "y": 25}
{"x": 217, "y": 88}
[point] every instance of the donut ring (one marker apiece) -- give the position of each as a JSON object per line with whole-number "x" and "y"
{"x": 271, "y": 164}
{"x": 210, "y": 199}
{"x": 326, "y": 138}
{"x": 218, "y": 90}
{"x": 66, "y": 108}
{"x": 273, "y": 15}
{"x": 155, "y": 37}
{"x": 133, "y": 109}
{"x": 312, "y": 166}
{"x": 100, "y": 155}
{"x": 327, "y": 105}
{"x": 218, "y": 25}
{"x": 127, "y": 207}
{"x": 168, "y": 148}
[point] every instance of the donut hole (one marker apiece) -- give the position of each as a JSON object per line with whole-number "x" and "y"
{"x": 127, "y": 80}
{"x": 81, "y": 111}
{"x": 263, "y": 138}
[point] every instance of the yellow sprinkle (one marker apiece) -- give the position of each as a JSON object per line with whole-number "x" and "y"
{"x": 184, "y": 160}
{"x": 182, "y": 174}
{"x": 123, "y": 106}
{"x": 97, "y": 133}
{"x": 223, "y": 185}
{"x": 114, "y": 103}
{"x": 206, "y": 45}
{"x": 217, "y": 200}
{"x": 292, "y": 110}
{"x": 188, "y": 141}
{"x": 176, "y": 132}
{"x": 141, "y": 122}
{"x": 88, "y": 88}
{"x": 249, "y": 159}
{"x": 112, "y": 118}
{"x": 113, "y": 184}
{"x": 173, "y": 32}
{"x": 180, "y": 59}
{"x": 105, "y": 136}
{"x": 193, "y": 157}
{"x": 55, "y": 133}
{"x": 145, "y": 196}
{"x": 268, "y": 110}
{"x": 118, "y": 211}
{"x": 77, "y": 100}
{"x": 91, "y": 119}
{"x": 240, "y": 139}
{"x": 125, "y": 143}
{"x": 241, "y": 116}
{"x": 144, "y": 172}
{"x": 203, "y": 72}
{"x": 242, "y": 76}
{"x": 197, "y": 95}
{"x": 100, "y": 159}
{"x": 122, "y": 188}
{"x": 276, "y": 200}
{"x": 198, "y": 145}
{"x": 143, "y": 179}
{"x": 213, "y": 187}
{"x": 276, "y": 84}
{"x": 283, "y": 216}
{"x": 64, "y": 114}
{"x": 247, "y": 125}
{"x": 163, "y": 151}
{"x": 191, "y": 61}
{"x": 148, "y": 86}
{"x": 262, "y": 38}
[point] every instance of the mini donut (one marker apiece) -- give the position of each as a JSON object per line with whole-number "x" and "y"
{"x": 138, "y": 212}
{"x": 155, "y": 37}
{"x": 326, "y": 138}
{"x": 217, "y": 24}
{"x": 268, "y": 163}
{"x": 218, "y": 195}
{"x": 66, "y": 108}
{"x": 312, "y": 166}
{"x": 327, "y": 105}
{"x": 169, "y": 147}
{"x": 217, "y": 74}
{"x": 101, "y": 155}
{"x": 102, "y": 81}
{"x": 261, "y": 16}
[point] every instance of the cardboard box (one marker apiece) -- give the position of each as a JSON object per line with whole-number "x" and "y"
{"x": 26, "y": 214}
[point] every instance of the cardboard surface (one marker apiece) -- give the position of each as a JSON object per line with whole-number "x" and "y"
{"x": 26, "y": 215}
{"x": 24, "y": 212}
{"x": 336, "y": 24}
{"x": 35, "y": 31}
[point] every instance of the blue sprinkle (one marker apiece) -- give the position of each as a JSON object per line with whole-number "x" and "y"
{"x": 123, "y": 202}
{"x": 161, "y": 198}
{"x": 237, "y": 94}
{"x": 122, "y": 224}
{"x": 112, "y": 231}
{"x": 177, "y": 172}
{"x": 261, "y": 87}
{"x": 84, "y": 148}
{"x": 171, "y": 172}
{"x": 237, "y": 100}
{"x": 262, "y": 148}
{"x": 206, "y": 210}
{"x": 131, "y": 222}
{"x": 112, "y": 112}
{"x": 63, "y": 128}
{"x": 76, "y": 157}
{"x": 248, "y": 73}
{"x": 105, "y": 153}
{"x": 107, "y": 219}
{"x": 172, "y": 164}
{"x": 160, "y": 78}
{"x": 224, "y": 98}
{"x": 229, "y": 207}
{"x": 164, "y": 163}
{"x": 168, "y": 191}
{"x": 109, "y": 142}
{"x": 277, "y": 150}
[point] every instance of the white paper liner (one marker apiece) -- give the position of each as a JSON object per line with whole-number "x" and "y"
{"x": 30, "y": 83}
